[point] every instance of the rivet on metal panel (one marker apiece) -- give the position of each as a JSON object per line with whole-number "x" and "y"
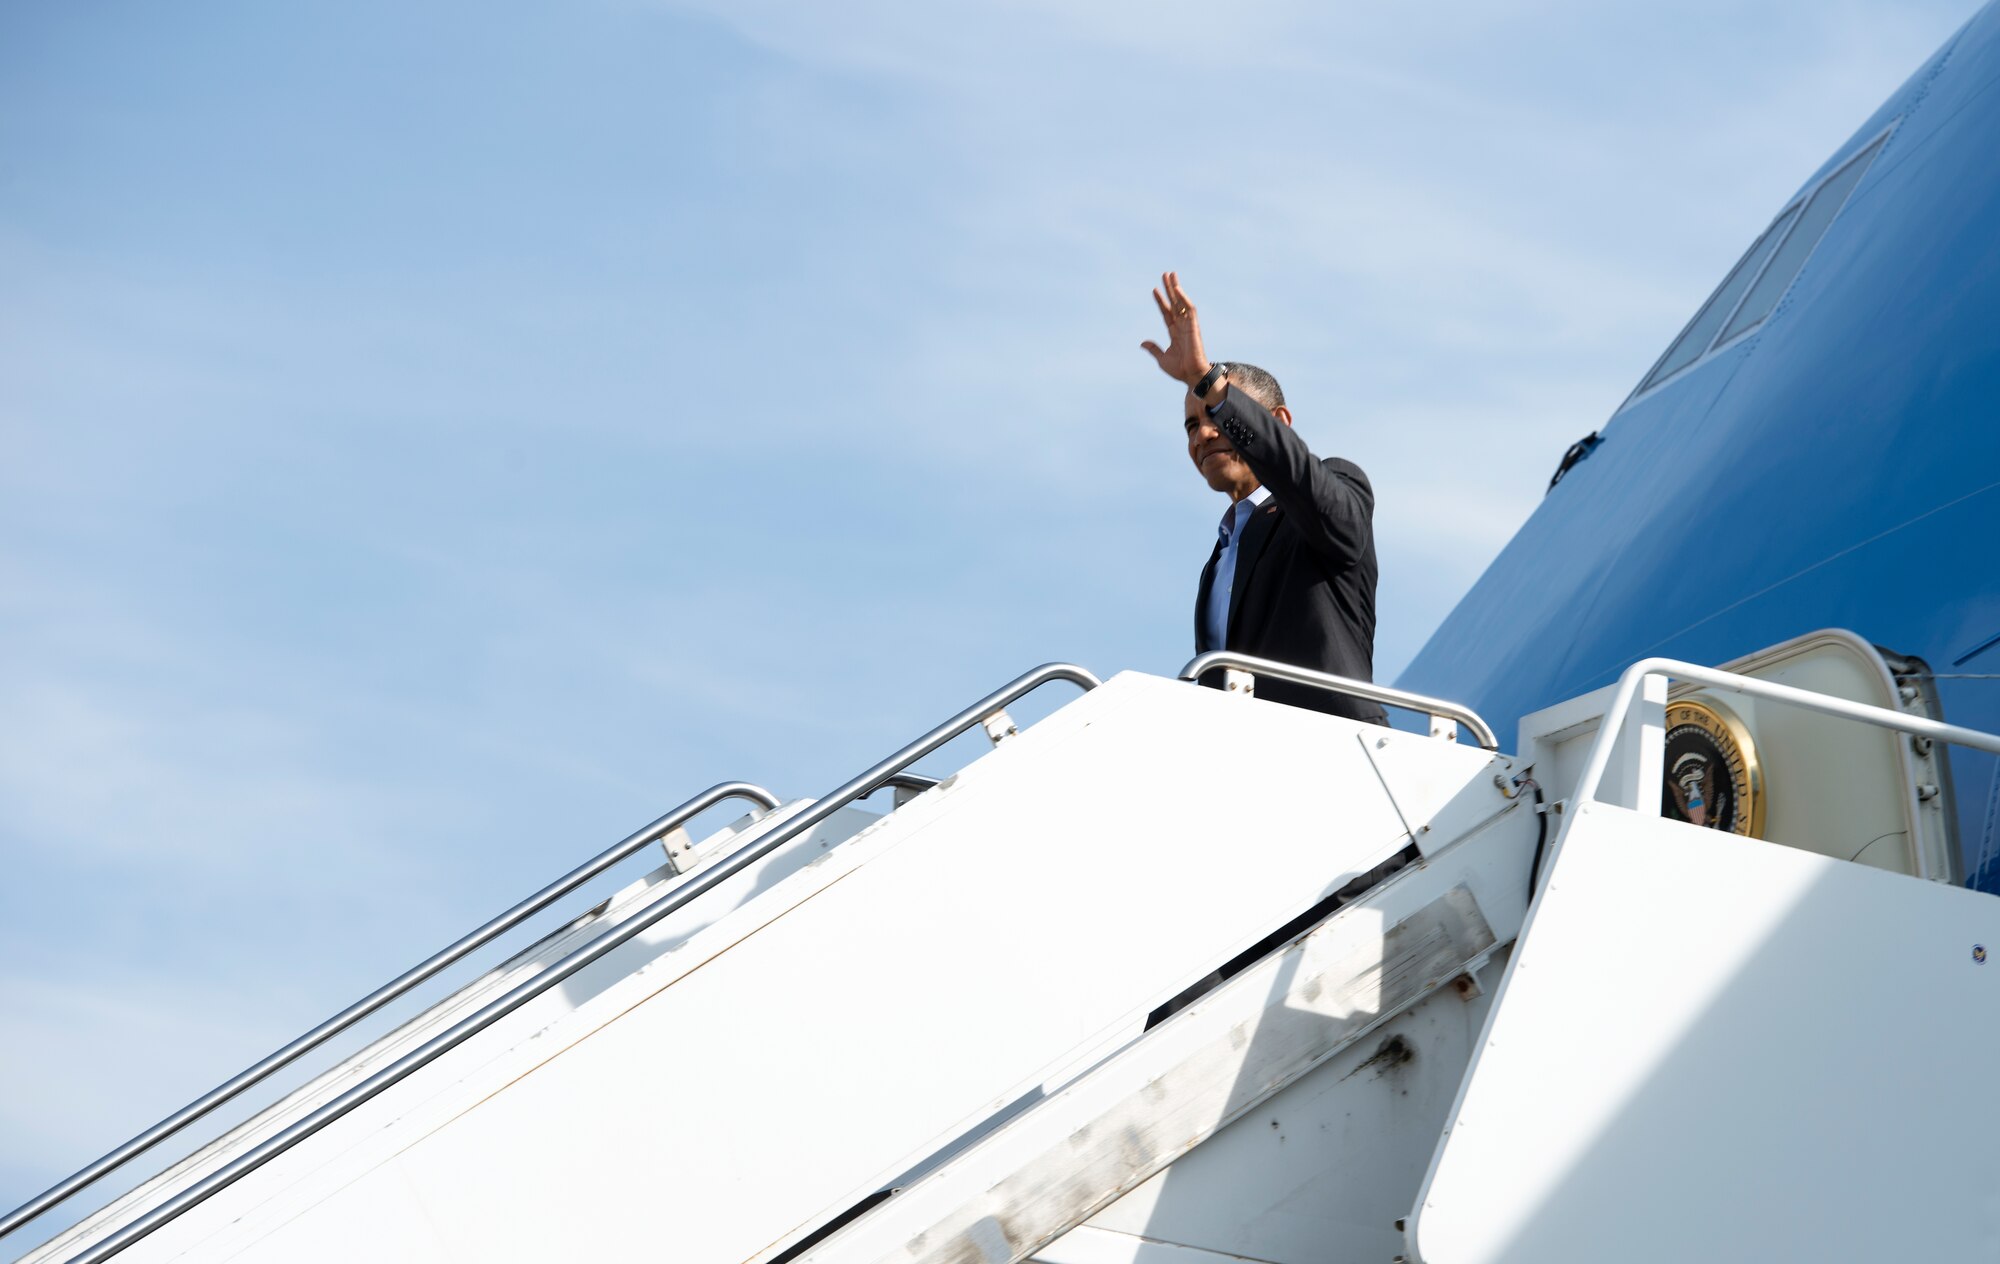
{"x": 1922, "y": 746}
{"x": 1926, "y": 792}
{"x": 999, "y": 727}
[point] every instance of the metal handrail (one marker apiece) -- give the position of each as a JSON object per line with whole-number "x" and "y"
{"x": 908, "y": 785}
{"x": 1881, "y": 717}
{"x": 649, "y": 914}
{"x": 1368, "y": 689}
{"x": 396, "y": 987}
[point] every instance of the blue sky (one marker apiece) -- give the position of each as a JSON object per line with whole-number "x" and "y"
{"x": 433, "y": 441}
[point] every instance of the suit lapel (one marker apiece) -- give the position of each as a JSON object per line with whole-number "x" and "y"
{"x": 1256, "y": 534}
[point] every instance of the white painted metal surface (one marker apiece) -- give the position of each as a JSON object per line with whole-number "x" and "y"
{"x": 527, "y": 1024}
{"x": 1710, "y": 1048}
{"x": 1831, "y": 786}
{"x": 1325, "y": 1171}
{"x": 1091, "y": 1245}
{"x": 1835, "y": 787}
{"x": 768, "y": 1066}
{"x": 1190, "y": 1080}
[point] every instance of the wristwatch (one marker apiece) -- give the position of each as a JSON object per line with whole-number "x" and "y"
{"x": 1216, "y": 372}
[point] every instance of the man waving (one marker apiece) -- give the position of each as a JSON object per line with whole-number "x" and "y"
{"x": 1292, "y": 576}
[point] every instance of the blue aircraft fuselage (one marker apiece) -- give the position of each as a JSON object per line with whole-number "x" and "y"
{"x": 1818, "y": 449}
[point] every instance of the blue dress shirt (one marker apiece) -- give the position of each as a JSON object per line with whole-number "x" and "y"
{"x": 1215, "y": 619}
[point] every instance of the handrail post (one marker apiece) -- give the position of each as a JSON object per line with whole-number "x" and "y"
{"x": 1642, "y": 744}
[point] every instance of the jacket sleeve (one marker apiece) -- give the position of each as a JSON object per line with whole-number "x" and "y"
{"x": 1330, "y": 502}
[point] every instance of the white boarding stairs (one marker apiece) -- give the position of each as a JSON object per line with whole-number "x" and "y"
{"x": 925, "y": 1036}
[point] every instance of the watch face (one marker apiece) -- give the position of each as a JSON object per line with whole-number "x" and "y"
{"x": 1712, "y": 775}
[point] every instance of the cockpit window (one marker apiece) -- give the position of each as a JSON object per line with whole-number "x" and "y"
{"x": 1700, "y": 332}
{"x": 1825, "y": 204}
{"x": 1766, "y": 270}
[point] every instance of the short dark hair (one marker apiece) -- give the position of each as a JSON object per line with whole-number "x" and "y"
{"x": 1258, "y": 384}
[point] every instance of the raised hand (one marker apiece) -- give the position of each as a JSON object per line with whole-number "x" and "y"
{"x": 1183, "y": 360}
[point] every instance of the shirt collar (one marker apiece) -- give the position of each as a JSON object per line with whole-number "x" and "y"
{"x": 1238, "y": 512}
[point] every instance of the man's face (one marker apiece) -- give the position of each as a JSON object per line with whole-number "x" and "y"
{"x": 1213, "y": 455}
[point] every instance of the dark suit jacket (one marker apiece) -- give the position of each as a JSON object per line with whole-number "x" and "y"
{"x": 1304, "y": 591}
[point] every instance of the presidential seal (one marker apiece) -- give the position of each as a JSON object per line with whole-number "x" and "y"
{"x": 1712, "y": 776}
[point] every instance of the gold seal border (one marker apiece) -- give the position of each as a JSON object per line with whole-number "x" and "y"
{"x": 1733, "y": 736}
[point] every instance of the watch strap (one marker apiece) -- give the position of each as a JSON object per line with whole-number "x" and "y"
{"x": 1216, "y": 372}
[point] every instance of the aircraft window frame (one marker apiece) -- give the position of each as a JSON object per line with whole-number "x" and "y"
{"x": 1681, "y": 352}
{"x": 1771, "y": 244}
{"x": 1771, "y": 296}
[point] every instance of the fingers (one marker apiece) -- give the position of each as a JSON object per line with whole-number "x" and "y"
{"x": 1166, "y": 312}
{"x": 1152, "y": 348}
{"x": 1182, "y": 304}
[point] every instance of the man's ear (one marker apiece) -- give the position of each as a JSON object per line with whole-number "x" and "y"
{"x": 1283, "y": 414}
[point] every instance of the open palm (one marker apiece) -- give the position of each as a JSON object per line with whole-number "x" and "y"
{"x": 1183, "y": 358}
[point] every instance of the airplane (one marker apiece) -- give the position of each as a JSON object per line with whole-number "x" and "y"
{"x": 1690, "y": 972}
